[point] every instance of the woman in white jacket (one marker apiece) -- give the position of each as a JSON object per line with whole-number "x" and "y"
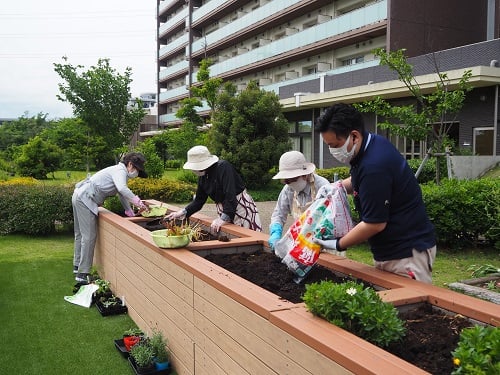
{"x": 89, "y": 194}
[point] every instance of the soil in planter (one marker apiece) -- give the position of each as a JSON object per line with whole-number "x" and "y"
{"x": 431, "y": 335}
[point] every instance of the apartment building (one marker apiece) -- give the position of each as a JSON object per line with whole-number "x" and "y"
{"x": 313, "y": 53}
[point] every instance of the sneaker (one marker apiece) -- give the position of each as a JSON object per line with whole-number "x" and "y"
{"x": 75, "y": 269}
{"x": 83, "y": 278}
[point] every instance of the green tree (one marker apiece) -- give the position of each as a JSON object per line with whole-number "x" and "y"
{"x": 100, "y": 97}
{"x": 72, "y": 136}
{"x": 38, "y": 158}
{"x": 430, "y": 116}
{"x": 250, "y": 131}
{"x": 154, "y": 164}
{"x": 20, "y": 131}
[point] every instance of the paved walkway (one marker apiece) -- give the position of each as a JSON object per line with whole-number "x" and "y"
{"x": 265, "y": 211}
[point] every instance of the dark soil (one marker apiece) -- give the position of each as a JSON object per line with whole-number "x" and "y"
{"x": 431, "y": 335}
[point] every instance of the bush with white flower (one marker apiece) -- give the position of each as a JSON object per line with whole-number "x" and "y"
{"x": 357, "y": 309}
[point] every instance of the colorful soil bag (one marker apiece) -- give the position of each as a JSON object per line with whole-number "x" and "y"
{"x": 328, "y": 217}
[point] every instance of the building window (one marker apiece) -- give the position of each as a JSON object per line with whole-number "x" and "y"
{"x": 353, "y": 60}
{"x": 301, "y": 135}
{"x": 483, "y": 141}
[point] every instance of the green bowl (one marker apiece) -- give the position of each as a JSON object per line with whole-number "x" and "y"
{"x": 169, "y": 242}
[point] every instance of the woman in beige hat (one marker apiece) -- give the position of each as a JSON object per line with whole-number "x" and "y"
{"x": 301, "y": 185}
{"x": 219, "y": 180}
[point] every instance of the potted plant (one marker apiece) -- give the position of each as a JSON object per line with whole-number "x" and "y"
{"x": 141, "y": 357}
{"x": 104, "y": 289}
{"x": 131, "y": 337}
{"x": 111, "y": 305}
{"x": 161, "y": 354}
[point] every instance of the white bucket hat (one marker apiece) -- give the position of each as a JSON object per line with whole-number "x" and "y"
{"x": 293, "y": 164}
{"x": 199, "y": 158}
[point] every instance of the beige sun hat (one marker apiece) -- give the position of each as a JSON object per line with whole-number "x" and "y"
{"x": 199, "y": 158}
{"x": 293, "y": 164}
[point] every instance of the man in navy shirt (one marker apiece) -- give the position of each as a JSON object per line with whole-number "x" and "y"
{"x": 386, "y": 194}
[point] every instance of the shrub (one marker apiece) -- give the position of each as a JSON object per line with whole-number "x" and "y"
{"x": 358, "y": 310}
{"x": 464, "y": 212}
{"x": 34, "y": 208}
{"x": 329, "y": 174}
{"x": 173, "y": 164}
{"x": 478, "y": 351}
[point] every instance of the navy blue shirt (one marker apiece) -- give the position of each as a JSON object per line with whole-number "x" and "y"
{"x": 386, "y": 190}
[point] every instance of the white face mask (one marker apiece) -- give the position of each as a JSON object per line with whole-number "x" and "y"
{"x": 341, "y": 153}
{"x": 133, "y": 174}
{"x": 298, "y": 185}
{"x": 199, "y": 173}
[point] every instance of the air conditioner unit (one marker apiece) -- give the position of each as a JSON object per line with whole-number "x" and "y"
{"x": 291, "y": 31}
{"x": 241, "y": 86}
{"x": 291, "y": 74}
{"x": 323, "y": 18}
{"x": 242, "y": 50}
{"x": 263, "y": 41}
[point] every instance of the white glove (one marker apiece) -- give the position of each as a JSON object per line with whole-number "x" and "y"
{"x": 330, "y": 246}
{"x": 180, "y": 215}
{"x": 216, "y": 224}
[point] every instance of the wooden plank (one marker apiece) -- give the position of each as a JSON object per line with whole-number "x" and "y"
{"x": 275, "y": 348}
{"x": 205, "y": 365}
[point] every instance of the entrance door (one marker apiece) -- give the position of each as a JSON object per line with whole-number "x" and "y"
{"x": 483, "y": 141}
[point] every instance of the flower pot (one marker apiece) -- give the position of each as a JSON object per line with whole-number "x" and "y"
{"x": 130, "y": 341}
{"x": 152, "y": 370}
{"x": 111, "y": 310}
{"x": 162, "y": 365}
{"x": 161, "y": 239}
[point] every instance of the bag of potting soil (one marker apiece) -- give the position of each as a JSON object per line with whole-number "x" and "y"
{"x": 328, "y": 217}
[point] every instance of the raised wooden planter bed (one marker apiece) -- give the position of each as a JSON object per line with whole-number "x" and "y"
{"x": 217, "y": 322}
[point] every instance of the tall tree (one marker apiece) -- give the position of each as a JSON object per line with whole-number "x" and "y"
{"x": 250, "y": 131}
{"x": 100, "y": 97}
{"x": 431, "y": 115}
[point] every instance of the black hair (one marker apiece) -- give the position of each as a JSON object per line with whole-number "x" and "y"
{"x": 137, "y": 159}
{"x": 341, "y": 119}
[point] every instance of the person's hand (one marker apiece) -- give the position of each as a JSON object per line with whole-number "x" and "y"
{"x": 216, "y": 224}
{"x": 330, "y": 246}
{"x": 324, "y": 191}
{"x": 179, "y": 215}
{"x": 136, "y": 201}
{"x": 275, "y": 232}
{"x": 129, "y": 213}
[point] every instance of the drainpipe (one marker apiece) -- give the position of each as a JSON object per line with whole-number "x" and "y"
{"x": 321, "y": 143}
{"x": 495, "y": 121}
{"x": 190, "y": 44}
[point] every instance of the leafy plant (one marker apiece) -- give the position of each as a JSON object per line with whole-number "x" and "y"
{"x": 482, "y": 270}
{"x": 478, "y": 351}
{"x": 111, "y": 301}
{"x": 134, "y": 331}
{"x": 159, "y": 343}
{"x": 103, "y": 286}
{"x": 357, "y": 309}
{"x": 143, "y": 354}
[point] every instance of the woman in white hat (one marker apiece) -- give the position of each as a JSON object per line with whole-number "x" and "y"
{"x": 301, "y": 185}
{"x": 219, "y": 180}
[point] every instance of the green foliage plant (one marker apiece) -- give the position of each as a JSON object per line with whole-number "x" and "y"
{"x": 34, "y": 208}
{"x": 465, "y": 212}
{"x": 357, "y": 309}
{"x": 478, "y": 351}
{"x": 143, "y": 354}
{"x": 159, "y": 345}
{"x": 329, "y": 174}
{"x": 250, "y": 131}
{"x": 482, "y": 270}
{"x": 100, "y": 97}
{"x": 154, "y": 164}
{"x": 38, "y": 158}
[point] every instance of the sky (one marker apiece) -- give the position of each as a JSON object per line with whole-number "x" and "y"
{"x": 35, "y": 34}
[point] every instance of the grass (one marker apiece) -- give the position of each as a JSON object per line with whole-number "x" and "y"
{"x": 43, "y": 334}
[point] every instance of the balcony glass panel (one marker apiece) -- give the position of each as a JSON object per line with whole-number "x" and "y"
{"x": 350, "y": 21}
{"x": 243, "y": 22}
{"x": 175, "y": 43}
{"x": 179, "y": 91}
{"x": 175, "y": 19}
{"x": 181, "y": 65}
{"x": 165, "y": 4}
{"x": 275, "y": 86}
{"x": 207, "y": 8}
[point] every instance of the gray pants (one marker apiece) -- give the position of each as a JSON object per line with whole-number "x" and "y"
{"x": 85, "y": 235}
